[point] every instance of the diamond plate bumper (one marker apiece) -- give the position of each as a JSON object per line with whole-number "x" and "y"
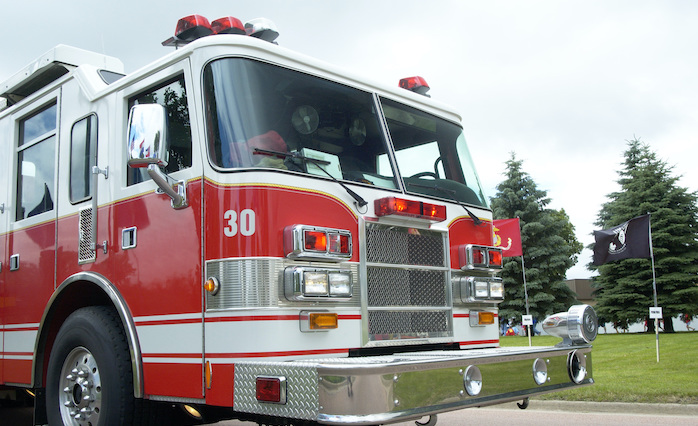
{"x": 386, "y": 389}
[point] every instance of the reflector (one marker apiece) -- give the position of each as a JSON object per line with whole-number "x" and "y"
{"x": 271, "y": 389}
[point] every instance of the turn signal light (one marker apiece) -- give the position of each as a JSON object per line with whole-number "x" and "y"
{"x": 322, "y": 321}
{"x": 411, "y": 208}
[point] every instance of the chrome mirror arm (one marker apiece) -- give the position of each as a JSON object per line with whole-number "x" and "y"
{"x": 176, "y": 190}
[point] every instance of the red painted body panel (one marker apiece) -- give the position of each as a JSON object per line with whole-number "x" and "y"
{"x": 464, "y": 231}
{"x": 275, "y": 207}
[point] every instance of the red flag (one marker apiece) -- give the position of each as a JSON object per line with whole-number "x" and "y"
{"x": 507, "y": 235}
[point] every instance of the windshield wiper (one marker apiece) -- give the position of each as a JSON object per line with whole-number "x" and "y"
{"x": 452, "y": 193}
{"x": 319, "y": 163}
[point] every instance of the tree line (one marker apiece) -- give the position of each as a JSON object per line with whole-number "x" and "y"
{"x": 623, "y": 289}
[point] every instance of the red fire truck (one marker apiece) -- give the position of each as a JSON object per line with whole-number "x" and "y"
{"x": 246, "y": 232}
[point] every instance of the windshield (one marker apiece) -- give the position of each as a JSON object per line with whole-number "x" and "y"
{"x": 261, "y": 115}
{"x": 431, "y": 154}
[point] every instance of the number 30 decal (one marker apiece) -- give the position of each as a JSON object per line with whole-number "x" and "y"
{"x": 244, "y": 223}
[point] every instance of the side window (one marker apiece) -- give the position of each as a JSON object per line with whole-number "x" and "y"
{"x": 83, "y": 155}
{"x": 36, "y": 157}
{"x": 173, "y": 97}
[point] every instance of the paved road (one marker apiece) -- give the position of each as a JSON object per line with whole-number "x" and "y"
{"x": 556, "y": 413}
{"x": 539, "y": 413}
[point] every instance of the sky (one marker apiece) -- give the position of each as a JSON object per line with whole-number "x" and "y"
{"x": 562, "y": 84}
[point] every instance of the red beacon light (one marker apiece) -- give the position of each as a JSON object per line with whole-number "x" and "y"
{"x": 410, "y": 208}
{"x": 415, "y": 84}
{"x": 189, "y": 29}
{"x": 228, "y": 25}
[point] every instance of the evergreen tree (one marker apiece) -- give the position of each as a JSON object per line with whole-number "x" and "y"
{"x": 624, "y": 288}
{"x": 549, "y": 246}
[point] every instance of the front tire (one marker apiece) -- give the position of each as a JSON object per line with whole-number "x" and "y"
{"x": 90, "y": 379}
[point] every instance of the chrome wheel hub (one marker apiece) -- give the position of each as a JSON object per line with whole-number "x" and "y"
{"x": 80, "y": 389}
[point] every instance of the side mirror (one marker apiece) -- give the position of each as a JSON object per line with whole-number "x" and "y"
{"x": 147, "y": 136}
{"x": 148, "y": 147}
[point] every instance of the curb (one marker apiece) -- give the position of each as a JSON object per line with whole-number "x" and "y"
{"x": 608, "y": 407}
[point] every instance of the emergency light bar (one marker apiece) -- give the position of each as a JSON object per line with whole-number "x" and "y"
{"x": 416, "y": 209}
{"x": 193, "y": 27}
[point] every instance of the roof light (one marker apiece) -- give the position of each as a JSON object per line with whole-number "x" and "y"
{"x": 189, "y": 29}
{"x": 228, "y": 25}
{"x": 262, "y": 28}
{"x": 415, "y": 84}
{"x": 417, "y": 209}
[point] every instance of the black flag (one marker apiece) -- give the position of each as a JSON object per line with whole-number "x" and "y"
{"x": 627, "y": 240}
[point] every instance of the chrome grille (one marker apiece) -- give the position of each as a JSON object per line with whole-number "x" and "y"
{"x": 407, "y": 284}
{"x": 405, "y": 246}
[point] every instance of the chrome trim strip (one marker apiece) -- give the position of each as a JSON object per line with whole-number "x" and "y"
{"x": 124, "y": 313}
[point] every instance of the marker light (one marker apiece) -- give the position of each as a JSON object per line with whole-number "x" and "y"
{"x": 212, "y": 286}
{"x": 577, "y": 366}
{"x": 271, "y": 389}
{"x": 417, "y": 209}
{"x": 228, "y": 25}
{"x": 415, "y": 84}
{"x": 316, "y": 243}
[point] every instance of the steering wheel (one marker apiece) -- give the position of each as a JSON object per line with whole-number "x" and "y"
{"x": 423, "y": 174}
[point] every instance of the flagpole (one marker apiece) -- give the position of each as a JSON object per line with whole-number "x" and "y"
{"x": 523, "y": 270}
{"x": 654, "y": 287}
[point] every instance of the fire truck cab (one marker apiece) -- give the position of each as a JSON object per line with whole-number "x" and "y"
{"x": 246, "y": 232}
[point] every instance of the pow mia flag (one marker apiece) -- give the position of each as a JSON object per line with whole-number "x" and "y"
{"x": 627, "y": 240}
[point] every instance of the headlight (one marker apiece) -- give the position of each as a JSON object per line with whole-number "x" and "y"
{"x": 303, "y": 283}
{"x": 481, "y": 289}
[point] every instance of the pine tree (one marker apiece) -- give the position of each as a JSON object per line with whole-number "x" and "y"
{"x": 624, "y": 288}
{"x": 549, "y": 246}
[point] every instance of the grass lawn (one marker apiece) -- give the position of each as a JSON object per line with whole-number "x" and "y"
{"x": 625, "y": 368}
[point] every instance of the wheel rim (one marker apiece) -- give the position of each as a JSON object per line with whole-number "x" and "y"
{"x": 80, "y": 390}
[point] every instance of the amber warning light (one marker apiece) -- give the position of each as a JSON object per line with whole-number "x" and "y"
{"x": 410, "y": 208}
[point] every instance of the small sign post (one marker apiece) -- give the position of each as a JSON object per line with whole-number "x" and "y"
{"x": 527, "y": 320}
{"x": 656, "y": 315}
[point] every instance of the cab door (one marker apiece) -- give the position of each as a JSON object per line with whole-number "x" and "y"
{"x": 5, "y": 138}
{"x": 156, "y": 244}
{"x": 29, "y": 275}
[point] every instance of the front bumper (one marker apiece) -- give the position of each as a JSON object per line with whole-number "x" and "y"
{"x": 394, "y": 388}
